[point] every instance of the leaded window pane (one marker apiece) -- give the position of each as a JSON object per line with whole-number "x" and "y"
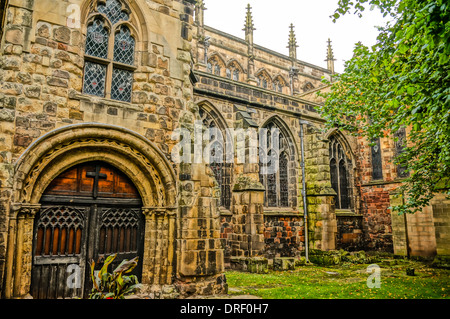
{"x": 121, "y": 87}
{"x": 271, "y": 189}
{"x": 343, "y": 186}
{"x": 113, "y": 10}
{"x": 97, "y": 40}
{"x": 339, "y": 174}
{"x": 94, "y": 79}
{"x": 228, "y": 73}
{"x": 284, "y": 182}
{"x": 124, "y": 46}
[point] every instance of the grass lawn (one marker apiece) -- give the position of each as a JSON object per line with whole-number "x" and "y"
{"x": 344, "y": 282}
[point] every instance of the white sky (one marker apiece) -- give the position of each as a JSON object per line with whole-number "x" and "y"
{"x": 312, "y": 22}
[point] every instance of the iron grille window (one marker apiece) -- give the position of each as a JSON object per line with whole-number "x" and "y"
{"x": 339, "y": 163}
{"x": 109, "y": 52}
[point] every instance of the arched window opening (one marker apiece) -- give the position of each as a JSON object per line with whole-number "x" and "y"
{"x": 217, "y": 158}
{"x": 109, "y": 53}
{"x": 233, "y": 71}
{"x": 377, "y": 167}
{"x": 215, "y": 66}
{"x": 340, "y": 173}
{"x": 278, "y": 84}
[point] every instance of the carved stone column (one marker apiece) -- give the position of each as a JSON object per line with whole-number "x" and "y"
{"x": 20, "y": 250}
{"x": 157, "y": 267}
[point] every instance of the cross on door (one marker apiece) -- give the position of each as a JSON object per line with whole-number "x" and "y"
{"x": 96, "y": 175}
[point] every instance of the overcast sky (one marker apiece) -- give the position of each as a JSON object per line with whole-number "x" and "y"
{"x": 313, "y": 26}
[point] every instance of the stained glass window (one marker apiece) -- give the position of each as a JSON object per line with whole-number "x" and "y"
{"x": 94, "y": 78}
{"x": 121, "y": 84}
{"x": 276, "y": 183}
{"x": 218, "y": 164}
{"x": 113, "y": 11}
{"x": 124, "y": 46}
{"x": 97, "y": 39}
{"x": 104, "y": 61}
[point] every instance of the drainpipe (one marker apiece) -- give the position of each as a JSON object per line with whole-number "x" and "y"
{"x": 305, "y": 208}
{"x": 408, "y": 249}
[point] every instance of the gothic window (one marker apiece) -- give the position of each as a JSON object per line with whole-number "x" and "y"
{"x": 233, "y": 71}
{"x": 215, "y": 65}
{"x": 400, "y": 142}
{"x": 278, "y": 84}
{"x": 262, "y": 81}
{"x": 377, "y": 170}
{"x": 217, "y": 159}
{"x": 109, "y": 52}
{"x": 340, "y": 173}
{"x": 276, "y": 182}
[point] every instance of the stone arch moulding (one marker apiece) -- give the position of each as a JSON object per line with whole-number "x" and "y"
{"x": 63, "y": 148}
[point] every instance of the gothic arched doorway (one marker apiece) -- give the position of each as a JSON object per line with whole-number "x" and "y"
{"x": 88, "y": 212}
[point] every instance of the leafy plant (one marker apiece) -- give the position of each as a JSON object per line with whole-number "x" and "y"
{"x": 114, "y": 285}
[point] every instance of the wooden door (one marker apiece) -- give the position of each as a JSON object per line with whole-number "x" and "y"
{"x": 88, "y": 213}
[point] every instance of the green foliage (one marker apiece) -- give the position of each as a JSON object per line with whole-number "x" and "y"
{"x": 401, "y": 82}
{"x": 114, "y": 285}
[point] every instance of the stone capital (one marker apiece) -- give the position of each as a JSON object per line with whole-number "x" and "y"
{"x": 24, "y": 210}
{"x": 159, "y": 211}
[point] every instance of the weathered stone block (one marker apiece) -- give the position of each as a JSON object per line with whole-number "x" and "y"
{"x": 283, "y": 263}
{"x": 257, "y": 265}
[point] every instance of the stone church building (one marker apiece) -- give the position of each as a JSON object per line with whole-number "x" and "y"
{"x": 93, "y": 96}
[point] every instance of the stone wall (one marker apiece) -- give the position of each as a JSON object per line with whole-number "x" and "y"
{"x": 283, "y": 236}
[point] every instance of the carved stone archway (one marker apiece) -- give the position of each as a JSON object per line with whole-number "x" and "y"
{"x": 63, "y": 148}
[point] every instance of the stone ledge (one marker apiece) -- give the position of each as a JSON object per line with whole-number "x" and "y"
{"x": 74, "y": 95}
